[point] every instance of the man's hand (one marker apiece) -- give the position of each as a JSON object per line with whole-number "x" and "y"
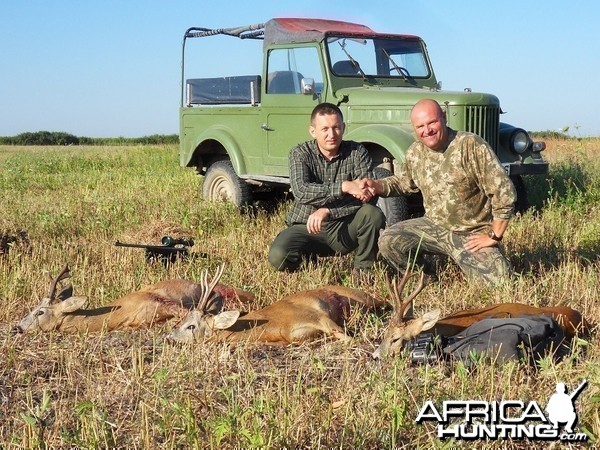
{"x": 315, "y": 220}
{"x": 358, "y": 189}
{"x": 374, "y": 186}
{"x": 482, "y": 240}
{"x": 478, "y": 241}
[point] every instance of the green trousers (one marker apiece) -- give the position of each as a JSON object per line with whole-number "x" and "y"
{"x": 400, "y": 243}
{"x": 358, "y": 232}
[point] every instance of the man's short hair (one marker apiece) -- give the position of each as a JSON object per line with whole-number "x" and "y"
{"x": 325, "y": 109}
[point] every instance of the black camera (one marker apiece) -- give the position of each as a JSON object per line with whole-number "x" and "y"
{"x": 425, "y": 348}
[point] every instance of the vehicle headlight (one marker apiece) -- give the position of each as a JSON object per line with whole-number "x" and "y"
{"x": 519, "y": 140}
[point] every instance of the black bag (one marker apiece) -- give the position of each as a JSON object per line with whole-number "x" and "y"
{"x": 528, "y": 337}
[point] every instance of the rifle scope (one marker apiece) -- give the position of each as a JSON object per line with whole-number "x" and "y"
{"x": 169, "y": 241}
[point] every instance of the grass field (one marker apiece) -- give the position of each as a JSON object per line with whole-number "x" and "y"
{"x": 130, "y": 389}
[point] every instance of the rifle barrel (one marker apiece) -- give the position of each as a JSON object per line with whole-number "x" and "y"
{"x": 577, "y": 391}
{"x": 156, "y": 248}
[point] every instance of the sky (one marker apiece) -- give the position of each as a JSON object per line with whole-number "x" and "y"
{"x": 112, "y": 68}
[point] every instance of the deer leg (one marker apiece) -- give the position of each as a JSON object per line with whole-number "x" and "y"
{"x": 323, "y": 326}
{"x": 333, "y": 329}
{"x": 340, "y": 335}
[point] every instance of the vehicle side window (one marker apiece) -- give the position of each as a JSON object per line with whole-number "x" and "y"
{"x": 287, "y": 68}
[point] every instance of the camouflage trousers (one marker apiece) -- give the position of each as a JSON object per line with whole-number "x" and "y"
{"x": 405, "y": 243}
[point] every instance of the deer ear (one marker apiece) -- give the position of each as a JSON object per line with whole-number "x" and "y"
{"x": 409, "y": 311}
{"x": 225, "y": 319}
{"x": 430, "y": 318}
{"x": 214, "y": 304}
{"x": 72, "y": 304}
{"x": 65, "y": 293}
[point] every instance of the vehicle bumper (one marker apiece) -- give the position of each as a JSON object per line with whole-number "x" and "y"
{"x": 518, "y": 168}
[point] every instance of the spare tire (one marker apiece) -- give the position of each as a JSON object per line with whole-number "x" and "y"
{"x": 395, "y": 209}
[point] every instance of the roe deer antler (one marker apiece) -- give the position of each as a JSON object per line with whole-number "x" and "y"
{"x": 206, "y": 288}
{"x": 401, "y": 307}
{"x": 65, "y": 273}
{"x": 403, "y": 326}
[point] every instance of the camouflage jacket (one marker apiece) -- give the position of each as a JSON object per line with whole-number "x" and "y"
{"x": 464, "y": 187}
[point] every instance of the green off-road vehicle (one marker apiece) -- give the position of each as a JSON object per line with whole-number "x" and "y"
{"x": 237, "y": 131}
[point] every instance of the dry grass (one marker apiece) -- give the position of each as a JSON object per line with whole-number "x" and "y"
{"x": 132, "y": 390}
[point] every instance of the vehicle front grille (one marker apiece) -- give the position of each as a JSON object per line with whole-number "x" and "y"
{"x": 484, "y": 121}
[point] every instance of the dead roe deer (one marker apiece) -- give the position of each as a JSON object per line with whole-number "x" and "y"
{"x": 295, "y": 318}
{"x": 146, "y": 307}
{"x": 403, "y": 326}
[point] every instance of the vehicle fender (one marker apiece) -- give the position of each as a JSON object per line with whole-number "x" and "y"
{"x": 204, "y": 145}
{"x": 394, "y": 139}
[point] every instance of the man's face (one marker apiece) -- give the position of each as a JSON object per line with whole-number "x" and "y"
{"x": 328, "y": 130}
{"x": 429, "y": 124}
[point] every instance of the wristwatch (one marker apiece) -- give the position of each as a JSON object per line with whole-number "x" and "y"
{"x": 493, "y": 236}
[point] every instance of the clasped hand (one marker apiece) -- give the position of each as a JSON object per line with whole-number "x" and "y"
{"x": 362, "y": 189}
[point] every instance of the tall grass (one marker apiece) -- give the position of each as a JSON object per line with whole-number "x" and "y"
{"x": 129, "y": 389}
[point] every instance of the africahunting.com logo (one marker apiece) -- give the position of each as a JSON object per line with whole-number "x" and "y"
{"x": 507, "y": 419}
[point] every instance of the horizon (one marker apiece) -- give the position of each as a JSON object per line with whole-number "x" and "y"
{"x": 113, "y": 68}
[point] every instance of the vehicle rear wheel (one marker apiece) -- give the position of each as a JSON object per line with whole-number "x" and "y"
{"x": 222, "y": 183}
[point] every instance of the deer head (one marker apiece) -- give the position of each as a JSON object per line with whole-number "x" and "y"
{"x": 403, "y": 326}
{"x": 51, "y": 310}
{"x": 205, "y": 318}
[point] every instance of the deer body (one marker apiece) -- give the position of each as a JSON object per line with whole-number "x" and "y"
{"x": 298, "y": 317}
{"x": 569, "y": 319}
{"x": 403, "y": 327}
{"x": 135, "y": 310}
{"x": 146, "y": 307}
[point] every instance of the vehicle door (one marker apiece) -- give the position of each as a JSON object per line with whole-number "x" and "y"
{"x": 286, "y": 107}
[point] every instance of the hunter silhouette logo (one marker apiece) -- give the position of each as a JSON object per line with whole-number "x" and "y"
{"x": 507, "y": 419}
{"x": 561, "y": 406}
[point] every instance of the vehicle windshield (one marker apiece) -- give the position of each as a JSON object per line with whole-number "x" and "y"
{"x": 382, "y": 57}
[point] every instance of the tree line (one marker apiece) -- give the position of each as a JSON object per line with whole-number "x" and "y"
{"x": 62, "y": 138}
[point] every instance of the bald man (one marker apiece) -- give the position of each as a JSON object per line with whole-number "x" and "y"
{"x": 468, "y": 200}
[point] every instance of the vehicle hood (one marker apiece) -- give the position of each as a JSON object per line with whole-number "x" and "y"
{"x": 394, "y": 96}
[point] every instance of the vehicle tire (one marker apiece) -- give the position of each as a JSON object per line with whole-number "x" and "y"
{"x": 395, "y": 209}
{"x": 222, "y": 183}
{"x": 522, "y": 203}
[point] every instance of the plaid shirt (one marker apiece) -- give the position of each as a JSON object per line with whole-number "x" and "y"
{"x": 317, "y": 183}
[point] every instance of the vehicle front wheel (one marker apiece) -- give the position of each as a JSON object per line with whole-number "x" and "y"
{"x": 522, "y": 203}
{"x": 222, "y": 183}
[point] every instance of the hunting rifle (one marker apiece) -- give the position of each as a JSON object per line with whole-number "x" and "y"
{"x": 167, "y": 253}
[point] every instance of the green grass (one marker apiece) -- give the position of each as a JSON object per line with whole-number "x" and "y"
{"x": 129, "y": 389}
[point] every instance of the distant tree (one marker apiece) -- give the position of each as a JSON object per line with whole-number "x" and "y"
{"x": 46, "y": 138}
{"x": 62, "y": 138}
{"x": 65, "y": 139}
{"x": 549, "y": 134}
{"x": 161, "y": 139}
